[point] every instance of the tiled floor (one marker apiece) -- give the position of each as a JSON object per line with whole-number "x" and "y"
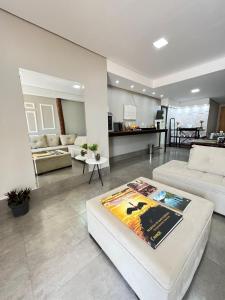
{"x": 48, "y": 254}
{"x": 51, "y": 177}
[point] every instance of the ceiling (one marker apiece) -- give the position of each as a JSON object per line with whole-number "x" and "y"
{"x": 123, "y": 31}
{"x": 211, "y": 86}
{"x": 49, "y": 86}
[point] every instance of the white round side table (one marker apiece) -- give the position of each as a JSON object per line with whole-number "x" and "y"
{"x": 83, "y": 159}
{"x": 96, "y": 163}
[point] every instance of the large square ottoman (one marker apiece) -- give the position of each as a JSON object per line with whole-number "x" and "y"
{"x": 162, "y": 273}
{"x": 59, "y": 160}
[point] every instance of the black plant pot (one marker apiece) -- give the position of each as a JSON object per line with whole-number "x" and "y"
{"x": 83, "y": 152}
{"x": 97, "y": 156}
{"x": 21, "y": 209}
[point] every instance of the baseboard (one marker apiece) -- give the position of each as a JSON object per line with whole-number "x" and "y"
{"x": 3, "y": 198}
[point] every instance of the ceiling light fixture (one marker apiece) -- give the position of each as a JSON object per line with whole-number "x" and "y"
{"x": 153, "y": 93}
{"x": 132, "y": 86}
{"x": 160, "y": 43}
{"x": 117, "y": 81}
{"x": 76, "y": 86}
{"x": 144, "y": 90}
{"x": 194, "y": 91}
{"x": 161, "y": 95}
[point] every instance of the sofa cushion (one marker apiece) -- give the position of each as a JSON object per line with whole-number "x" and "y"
{"x": 210, "y": 186}
{"x": 52, "y": 140}
{"x": 38, "y": 141}
{"x": 207, "y": 159}
{"x": 80, "y": 140}
{"x": 67, "y": 139}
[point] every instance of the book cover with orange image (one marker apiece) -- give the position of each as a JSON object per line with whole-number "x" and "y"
{"x": 144, "y": 216}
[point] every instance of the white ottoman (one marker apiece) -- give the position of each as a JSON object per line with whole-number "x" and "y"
{"x": 163, "y": 273}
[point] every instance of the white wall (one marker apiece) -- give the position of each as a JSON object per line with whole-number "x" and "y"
{"x": 37, "y": 101}
{"x": 190, "y": 116}
{"x": 24, "y": 45}
{"x": 74, "y": 117}
{"x": 146, "y": 106}
{"x": 146, "y": 113}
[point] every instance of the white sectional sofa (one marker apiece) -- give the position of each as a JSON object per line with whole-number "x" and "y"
{"x": 203, "y": 175}
{"x": 70, "y": 143}
{"x": 76, "y": 148}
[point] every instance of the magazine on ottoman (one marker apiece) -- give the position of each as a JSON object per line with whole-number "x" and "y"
{"x": 146, "y": 217}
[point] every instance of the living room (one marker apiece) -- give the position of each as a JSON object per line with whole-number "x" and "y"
{"x": 112, "y": 158}
{"x": 55, "y": 116}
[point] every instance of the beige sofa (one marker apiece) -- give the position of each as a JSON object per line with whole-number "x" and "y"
{"x": 70, "y": 143}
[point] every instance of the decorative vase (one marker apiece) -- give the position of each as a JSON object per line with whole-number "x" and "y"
{"x": 83, "y": 152}
{"x": 91, "y": 154}
{"x": 98, "y": 156}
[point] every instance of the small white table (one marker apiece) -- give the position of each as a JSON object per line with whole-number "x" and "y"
{"x": 96, "y": 163}
{"x": 82, "y": 159}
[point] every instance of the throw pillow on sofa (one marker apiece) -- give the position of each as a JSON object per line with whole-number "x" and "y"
{"x": 52, "y": 140}
{"x": 67, "y": 139}
{"x": 80, "y": 140}
{"x": 38, "y": 141}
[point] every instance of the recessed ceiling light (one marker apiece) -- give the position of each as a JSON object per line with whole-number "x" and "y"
{"x": 161, "y": 95}
{"x": 132, "y": 86}
{"x": 153, "y": 93}
{"x": 76, "y": 86}
{"x": 83, "y": 87}
{"x": 117, "y": 81}
{"x": 160, "y": 43}
{"x": 195, "y": 91}
{"x": 144, "y": 90}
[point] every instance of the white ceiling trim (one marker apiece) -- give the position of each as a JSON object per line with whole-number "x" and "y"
{"x": 197, "y": 71}
{"x": 37, "y": 91}
{"x": 124, "y": 72}
{"x": 203, "y": 69}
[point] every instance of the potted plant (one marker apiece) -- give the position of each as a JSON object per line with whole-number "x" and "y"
{"x": 18, "y": 201}
{"x": 83, "y": 151}
{"x": 93, "y": 148}
{"x": 84, "y": 146}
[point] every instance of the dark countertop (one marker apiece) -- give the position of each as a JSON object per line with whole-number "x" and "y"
{"x": 136, "y": 132}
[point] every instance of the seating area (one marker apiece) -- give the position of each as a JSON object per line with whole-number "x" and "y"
{"x": 112, "y": 157}
{"x": 203, "y": 175}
